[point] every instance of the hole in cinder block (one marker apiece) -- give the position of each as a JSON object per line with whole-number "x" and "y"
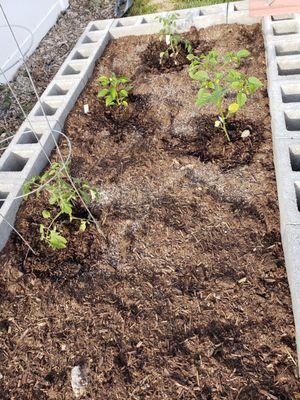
{"x": 288, "y": 67}
{"x": 281, "y": 17}
{"x": 58, "y": 90}
{"x": 48, "y": 110}
{"x": 29, "y": 137}
{"x": 240, "y": 7}
{"x": 295, "y": 157}
{"x": 88, "y": 39}
{"x": 287, "y": 49}
{"x": 71, "y": 70}
{"x": 14, "y": 163}
{"x": 290, "y": 93}
{"x": 297, "y": 190}
{"x": 285, "y": 28}
{"x": 81, "y": 55}
{"x": 98, "y": 26}
{"x": 292, "y": 120}
{"x": 3, "y": 197}
{"x": 125, "y": 22}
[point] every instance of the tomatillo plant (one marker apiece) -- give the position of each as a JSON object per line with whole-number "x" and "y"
{"x": 218, "y": 82}
{"x": 172, "y": 38}
{"x": 115, "y": 90}
{"x": 62, "y": 198}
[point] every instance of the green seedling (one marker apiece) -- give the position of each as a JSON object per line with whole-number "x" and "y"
{"x": 219, "y": 79}
{"x": 173, "y": 40}
{"x": 115, "y": 90}
{"x": 62, "y": 198}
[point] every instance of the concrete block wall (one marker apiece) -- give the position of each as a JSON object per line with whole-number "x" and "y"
{"x": 25, "y": 155}
{"x": 282, "y": 43}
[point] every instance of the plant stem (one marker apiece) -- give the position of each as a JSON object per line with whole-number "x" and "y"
{"x": 223, "y": 122}
{"x": 224, "y": 127}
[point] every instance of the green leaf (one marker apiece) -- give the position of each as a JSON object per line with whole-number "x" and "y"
{"x": 241, "y": 99}
{"x": 124, "y": 79}
{"x": 56, "y": 240}
{"x": 113, "y": 93}
{"x": 217, "y": 95}
{"x": 82, "y": 227}
{"x": 203, "y": 97}
{"x": 42, "y": 231}
{"x": 102, "y": 93}
{"x": 123, "y": 93}
{"x": 255, "y": 82}
{"x": 233, "y": 108}
{"x": 190, "y": 57}
{"x": 243, "y": 53}
{"x": 66, "y": 207}
{"x": 109, "y": 101}
{"x": 237, "y": 85}
{"x": 200, "y": 76}
{"x": 94, "y": 194}
{"x": 27, "y": 187}
{"x": 103, "y": 80}
{"x": 46, "y": 214}
{"x": 124, "y": 103}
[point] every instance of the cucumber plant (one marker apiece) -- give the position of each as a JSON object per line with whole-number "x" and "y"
{"x": 62, "y": 199}
{"x": 219, "y": 79}
{"x": 115, "y": 90}
{"x": 173, "y": 40}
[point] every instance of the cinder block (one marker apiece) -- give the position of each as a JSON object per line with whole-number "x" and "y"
{"x": 283, "y": 28}
{"x": 8, "y": 209}
{"x": 287, "y": 167}
{"x": 291, "y": 247}
{"x": 238, "y": 13}
{"x": 204, "y": 21}
{"x": 284, "y": 103}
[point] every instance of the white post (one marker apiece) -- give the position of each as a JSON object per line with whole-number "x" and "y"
{"x": 64, "y": 4}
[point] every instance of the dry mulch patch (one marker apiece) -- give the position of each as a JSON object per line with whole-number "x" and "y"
{"x": 185, "y": 296}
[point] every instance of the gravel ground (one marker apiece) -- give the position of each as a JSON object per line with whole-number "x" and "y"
{"x": 47, "y": 58}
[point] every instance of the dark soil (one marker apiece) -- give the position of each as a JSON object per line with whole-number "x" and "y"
{"x": 152, "y": 62}
{"x": 185, "y": 294}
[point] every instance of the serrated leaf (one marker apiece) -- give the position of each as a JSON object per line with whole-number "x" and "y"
{"x": 66, "y": 208}
{"x": 56, "y": 240}
{"x": 124, "y": 79}
{"x": 109, "y": 101}
{"x": 123, "y": 93}
{"x": 103, "y": 80}
{"x": 102, "y": 92}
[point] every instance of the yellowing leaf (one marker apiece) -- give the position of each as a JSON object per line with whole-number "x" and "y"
{"x": 233, "y": 108}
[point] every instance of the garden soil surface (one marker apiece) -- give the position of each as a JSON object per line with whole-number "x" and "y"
{"x": 184, "y": 295}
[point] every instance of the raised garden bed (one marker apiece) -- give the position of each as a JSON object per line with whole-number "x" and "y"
{"x": 185, "y": 295}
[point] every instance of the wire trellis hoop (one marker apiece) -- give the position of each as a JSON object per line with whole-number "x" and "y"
{"x": 56, "y": 146}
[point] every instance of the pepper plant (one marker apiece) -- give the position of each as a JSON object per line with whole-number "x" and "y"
{"x": 115, "y": 90}
{"x": 62, "y": 199}
{"x": 220, "y": 79}
{"x": 172, "y": 38}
